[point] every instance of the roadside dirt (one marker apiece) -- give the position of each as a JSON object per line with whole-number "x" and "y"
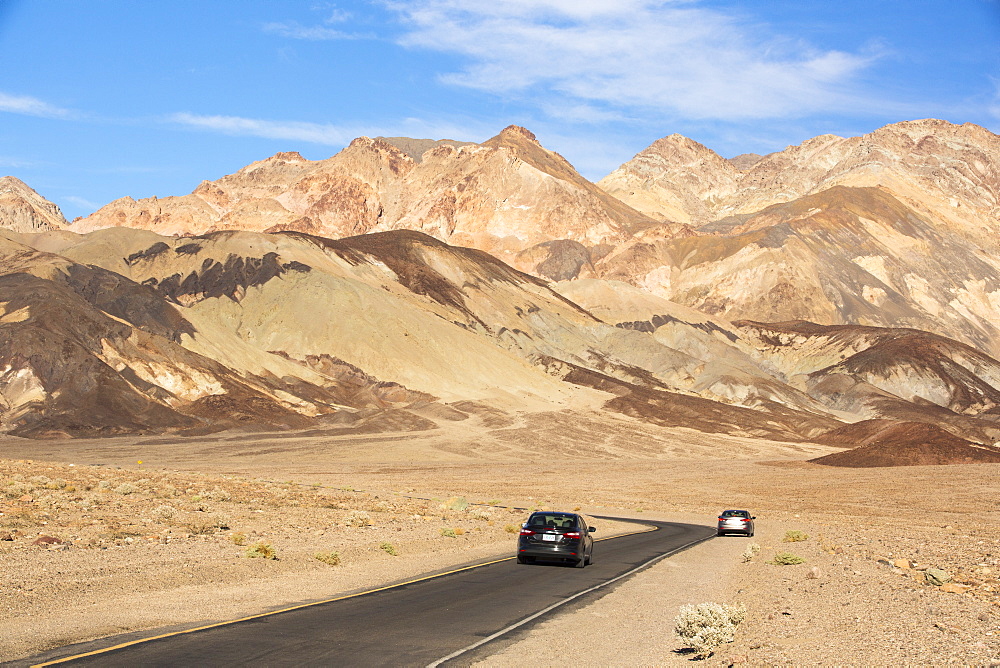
{"x": 166, "y": 530}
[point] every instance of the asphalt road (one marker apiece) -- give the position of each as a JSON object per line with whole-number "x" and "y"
{"x": 415, "y": 624}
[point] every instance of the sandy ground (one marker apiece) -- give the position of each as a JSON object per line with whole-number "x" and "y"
{"x": 171, "y": 533}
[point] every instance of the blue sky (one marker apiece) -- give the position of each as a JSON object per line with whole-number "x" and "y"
{"x": 103, "y": 99}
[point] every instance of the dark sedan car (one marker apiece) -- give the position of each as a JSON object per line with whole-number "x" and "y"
{"x": 557, "y": 536}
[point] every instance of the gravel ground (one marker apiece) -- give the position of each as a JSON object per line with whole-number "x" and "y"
{"x": 168, "y": 537}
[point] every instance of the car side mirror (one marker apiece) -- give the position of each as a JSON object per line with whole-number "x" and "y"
{"x": 753, "y": 517}
{"x": 591, "y": 530}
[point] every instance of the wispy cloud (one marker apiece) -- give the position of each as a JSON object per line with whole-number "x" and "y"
{"x": 30, "y": 106}
{"x": 318, "y": 133}
{"x": 82, "y": 203}
{"x": 672, "y": 57}
{"x": 295, "y": 30}
{"x": 322, "y": 31}
{"x": 325, "y": 133}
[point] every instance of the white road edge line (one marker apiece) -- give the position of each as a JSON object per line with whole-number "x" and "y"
{"x": 538, "y": 614}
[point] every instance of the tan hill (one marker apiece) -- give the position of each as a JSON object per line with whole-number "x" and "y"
{"x": 841, "y": 256}
{"x": 509, "y": 196}
{"x": 24, "y": 210}
{"x": 951, "y": 172}
{"x": 127, "y": 331}
{"x": 911, "y": 444}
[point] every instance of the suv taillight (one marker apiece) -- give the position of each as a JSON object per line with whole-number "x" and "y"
{"x": 572, "y": 534}
{"x": 527, "y": 532}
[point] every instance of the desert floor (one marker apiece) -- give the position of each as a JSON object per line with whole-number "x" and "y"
{"x": 165, "y": 542}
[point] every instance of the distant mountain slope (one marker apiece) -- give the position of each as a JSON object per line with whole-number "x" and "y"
{"x": 24, "y": 210}
{"x": 947, "y": 171}
{"x": 506, "y": 195}
{"x": 841, "y": 256}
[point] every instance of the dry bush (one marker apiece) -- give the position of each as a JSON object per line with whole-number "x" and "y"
{"x": 358, "y": 518}
{"x": 238, "y": 538}
{"x": 260, "y": 550}
{"x": 448, "y": 533}
{"x": 786, "y": 559}
{"x": 389, "y": 548}
{"x": 705, "y": 626}
{"x": 331, "y": 558}
{"x": 795, "y": 536}
{"x": 753, "y": 549}
{"x": 511, "y": 528}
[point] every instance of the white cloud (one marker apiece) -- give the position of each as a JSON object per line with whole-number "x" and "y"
{"x": 675, "y": 57}
{"x": 317, "y": 133}
{"x": 328, "y": 134}
{"x": 295, "y": 30}
{"x": 82, "y": 203}
{"x": 30, "y": 106}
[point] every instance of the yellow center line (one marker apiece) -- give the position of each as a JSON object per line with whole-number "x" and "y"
{"x": 297, "y": 607}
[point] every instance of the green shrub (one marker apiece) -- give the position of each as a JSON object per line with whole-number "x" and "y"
{"x": 389, "y": 548}
{"x": 238, "y": 538}
{"x": 260, "y": 551}
{"x": 331, "y": 558}
{"x": 786, "y": 559}
{"x": 705, "y": 626}
{"x": 795, "y": 536}
{"x": 511, "y": 528}
{"x": 753, "y": 549}
{"x": 448, "y": 533}
{"x": 456, "y": 503}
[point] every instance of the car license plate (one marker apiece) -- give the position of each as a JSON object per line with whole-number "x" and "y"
{"x": 550, "y": 537}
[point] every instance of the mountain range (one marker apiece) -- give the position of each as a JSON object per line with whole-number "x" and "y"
{"x": 403, "y": 282}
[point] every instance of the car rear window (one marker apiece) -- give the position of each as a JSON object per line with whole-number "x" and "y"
{"x": 553, "y": 520}
{"x": 735, "y": 513}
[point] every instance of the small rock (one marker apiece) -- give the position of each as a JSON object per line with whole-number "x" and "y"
{"x": 902, "y": 563}
{"x": 737, "y": 660}
{"x": 46, "y": 541}
{"x": 946, "y": 628}
{"x": 26, "y": 499}
{"x": 921, "y": 567}
{"x": 813, "y": 573}
{"x": 955, "y": 588}
{"x": 884, "y": 562}
{"x": 936, "y": 576}
{"x": 983, "y": 617}
{"x": 6, "y": 536}
{"x": 58, "y": 547}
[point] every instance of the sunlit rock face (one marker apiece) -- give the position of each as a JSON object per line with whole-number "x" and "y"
{"x": 24, "y": 210}
{"x": 506, "y": 195}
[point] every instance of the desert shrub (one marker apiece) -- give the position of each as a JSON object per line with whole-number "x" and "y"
{"x": 165, "y": 512}
{"x": 786, "y": 559}
{"x": 448, "y": 533}
{"x": 494, "y": 502}
{"x": 358, "y": 518}
{"x": 389, "y": 548}
{"x": 705, "y": 626}
{"x": 17, "y": 489}
{"x": 480, "y": 514}
{"x": 459, "y": 531}
{"x": 795, "y": 536}
{"x": 217, "y": 494}
{"x": 380, "y": 507}
{"x": 511, "y": 528}
{"x": 238, "y": 538}
{"x": 260, "y": 550}
{"x": 104, "y": 486}
{"x": 753, "y": 549}
{"x": 331, "y": 558}
{"x": 455, "y": 503}
{"x": 126, "y": 488}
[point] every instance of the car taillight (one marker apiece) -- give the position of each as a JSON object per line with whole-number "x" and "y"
{"x": 572, "y": 534}
{"x": 527, "y": 532}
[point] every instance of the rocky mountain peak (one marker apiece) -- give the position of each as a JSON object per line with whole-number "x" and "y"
{"x": 24, "y": 210}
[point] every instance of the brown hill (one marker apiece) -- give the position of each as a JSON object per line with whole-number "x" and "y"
{"x": 911, "y": 444}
